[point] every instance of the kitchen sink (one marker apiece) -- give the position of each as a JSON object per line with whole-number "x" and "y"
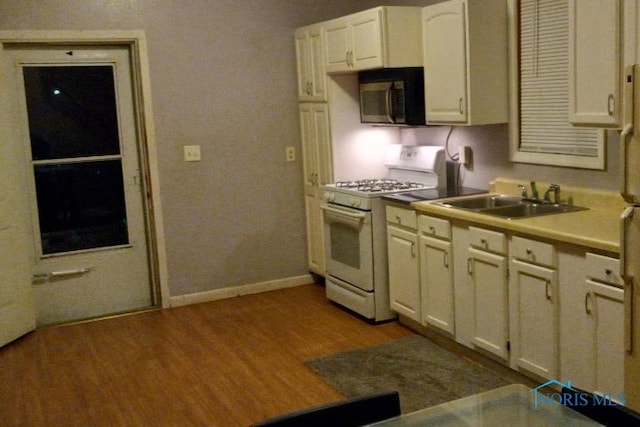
{"x": 529, "y": 209}
{"x": 510, "y": 207}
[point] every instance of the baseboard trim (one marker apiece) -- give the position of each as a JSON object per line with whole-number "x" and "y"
{"x": 236, "y": 291}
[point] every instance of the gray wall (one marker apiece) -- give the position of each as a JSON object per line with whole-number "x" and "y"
{"x": 223, "y": 77}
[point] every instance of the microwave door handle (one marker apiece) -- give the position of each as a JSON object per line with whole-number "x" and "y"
{"x": 390, "y": 112}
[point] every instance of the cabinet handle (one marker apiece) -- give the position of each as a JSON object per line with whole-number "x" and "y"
{"x": 432, "y": 229}
{"x": 547, "y": 290}
{"x": 399, "y": 219}
{"x": 483, "y": 241}
{"x": 460, "y": 105}
{"x": 587, "y": 300}
{"x": 413, "y": 250}
{"x": 627, "y": 131}
{"x": 625, "y": 221}
{"x": 310, "y": 88}
{"x": 446, "y": 259}
{"x": 628, "y": 314}
{"x": 611, "y": 107}
{"x": 470, "y": 266}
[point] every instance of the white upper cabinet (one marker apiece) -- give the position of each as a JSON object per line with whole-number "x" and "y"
{"x": 374, "y": 38}
{"x": 312, "y": 85}
{"x": 465, "y": 62}
{"x": 595, "y": 58}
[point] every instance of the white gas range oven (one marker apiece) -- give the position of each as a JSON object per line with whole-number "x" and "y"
{"x": 355, "y": 228}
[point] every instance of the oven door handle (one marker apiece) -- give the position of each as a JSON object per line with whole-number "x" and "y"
{"x": 344, "y": 216}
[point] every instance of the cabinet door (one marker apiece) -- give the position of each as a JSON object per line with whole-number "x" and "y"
{"x": 575, "y": 325}
{"x": 322, "y": 137}
{"x": 404, "y": 276}
{"x": 310, "y": 64}
{"x": 302, "y": 62}
{"x": 317, "y": 75}
{"x": 367, "y": 48}
{"x": 317, "y": 170}
{"x": 488, "y": 276}
{"x": 338, "y": 45}
{"x": 605, "y": 304}
{"x": 445, "y": 63}
{"x": 595, "y": 57}
{"x": 436, "y": 278}
{"x": 534, "y": 318}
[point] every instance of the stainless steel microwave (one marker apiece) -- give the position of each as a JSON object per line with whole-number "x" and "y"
{"x": 392, "y": 96}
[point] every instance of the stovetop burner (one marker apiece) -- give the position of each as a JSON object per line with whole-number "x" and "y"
{"x": 378, "y": 185}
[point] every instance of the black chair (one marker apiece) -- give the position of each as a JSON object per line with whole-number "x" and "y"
{"x": 608, "y": 415}
{"x": 352, "y": 412}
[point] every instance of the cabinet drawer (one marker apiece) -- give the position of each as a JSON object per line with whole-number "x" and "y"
{"x": 603, "y": 269}
{"x": 434, "y": 227}
{"x": 493, "y": 241}
{"x": 404, "y": 217}
{"x": 533, "y": 251}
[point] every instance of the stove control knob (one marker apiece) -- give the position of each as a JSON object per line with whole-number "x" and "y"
{"x": 329, "y": 197}
{"x": 355, "y": 202}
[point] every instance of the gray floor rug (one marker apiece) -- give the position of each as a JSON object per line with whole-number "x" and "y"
{"x": 423, "y": 373}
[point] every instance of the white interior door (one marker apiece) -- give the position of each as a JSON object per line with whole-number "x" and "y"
{"x": 75, "y": 113}
{"x": 17, "y": 315}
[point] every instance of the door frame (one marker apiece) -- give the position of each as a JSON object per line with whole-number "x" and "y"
{"x": 135, "y": 41}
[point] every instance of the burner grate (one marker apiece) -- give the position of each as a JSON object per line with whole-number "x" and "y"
{"x": 378, "y": 185}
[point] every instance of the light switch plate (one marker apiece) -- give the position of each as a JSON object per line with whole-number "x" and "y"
{"x": 191, "y": 153}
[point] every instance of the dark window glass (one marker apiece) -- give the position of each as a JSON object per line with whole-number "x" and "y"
{"x": 81, "y": 205}
{"x": 72, "y": 111}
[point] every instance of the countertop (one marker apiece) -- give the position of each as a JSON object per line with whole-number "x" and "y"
{"x": 597, "y": 228}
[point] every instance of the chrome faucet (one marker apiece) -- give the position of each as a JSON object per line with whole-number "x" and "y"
{"x": 555, "y": 189}
{"x": 534, "y": 191}
{"x": 523, "y": 191}
{"x": 525, "y": 195}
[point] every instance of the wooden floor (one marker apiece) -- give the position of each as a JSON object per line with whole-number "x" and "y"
{"x": 224, "y": 363}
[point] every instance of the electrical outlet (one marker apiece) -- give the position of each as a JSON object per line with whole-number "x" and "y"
{"x": 291, "y": 154}
{"x": 465, "y": 155}
{"x": 191, "y": 153}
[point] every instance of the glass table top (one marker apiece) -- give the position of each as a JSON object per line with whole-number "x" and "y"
{"x": 512, "y": 405}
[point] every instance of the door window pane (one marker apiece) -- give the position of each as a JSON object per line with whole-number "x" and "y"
{"x": 71, "y": 111}
{"x": 81, "y": 205}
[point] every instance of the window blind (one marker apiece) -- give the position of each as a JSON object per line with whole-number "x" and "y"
{"x": 544, "y": 83}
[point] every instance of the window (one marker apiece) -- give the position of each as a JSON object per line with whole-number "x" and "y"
{"x": 540, "y": 131}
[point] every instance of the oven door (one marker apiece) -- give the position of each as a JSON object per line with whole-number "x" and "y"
{"x": 348, "y": 245}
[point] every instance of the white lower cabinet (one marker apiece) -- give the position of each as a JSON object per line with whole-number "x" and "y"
{"x": 436, "y": 273}
{"x": 533, "y": 307}
{"x": 548, "y": 310}
{"x": 404, "y": 274}
{"x": 487, "y": 275}
{"x": 591, "y": 322}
